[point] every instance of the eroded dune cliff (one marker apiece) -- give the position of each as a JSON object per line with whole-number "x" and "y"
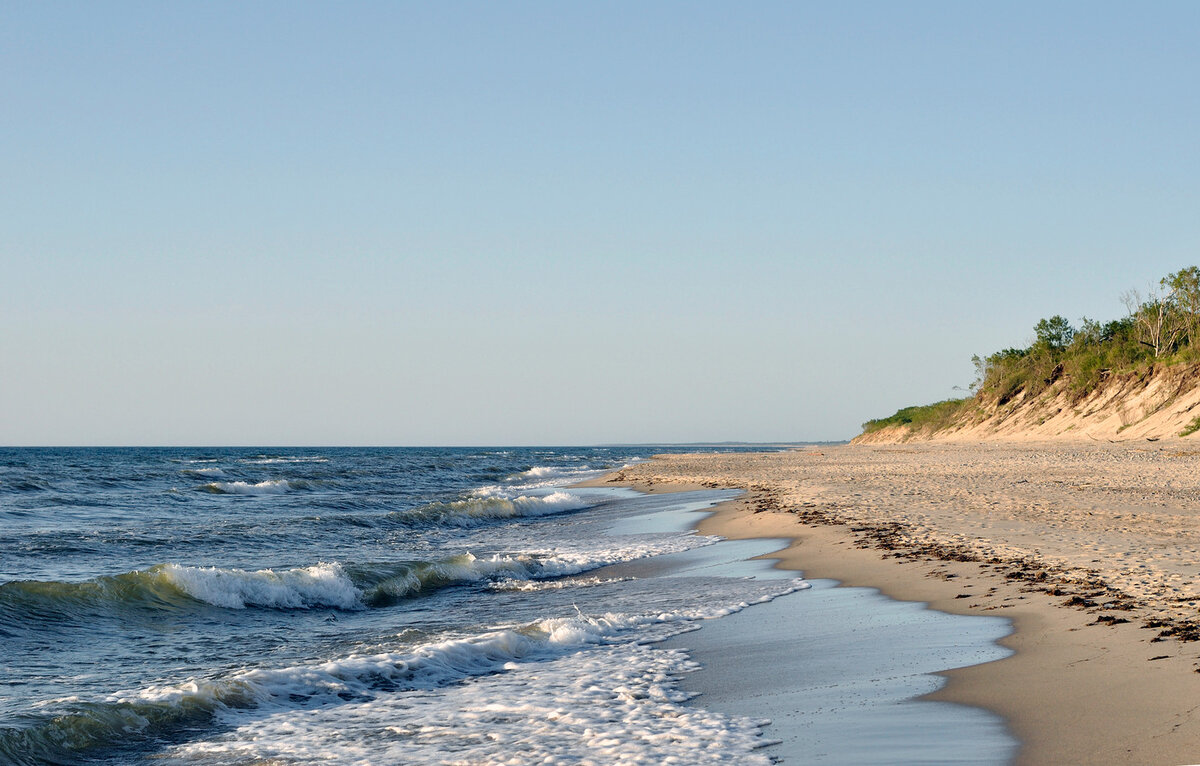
{"x": 1156, "y": 403}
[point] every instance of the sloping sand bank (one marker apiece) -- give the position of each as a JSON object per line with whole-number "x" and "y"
{"x": 1156, "y": 403}
{"x": 1092, "y": 550}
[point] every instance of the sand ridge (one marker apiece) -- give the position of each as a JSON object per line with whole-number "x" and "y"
{"x": 1161, "y": 401}
{"x": 1091, "y": 549}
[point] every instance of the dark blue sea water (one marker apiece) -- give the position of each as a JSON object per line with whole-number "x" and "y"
{"x": 249, "y": 606}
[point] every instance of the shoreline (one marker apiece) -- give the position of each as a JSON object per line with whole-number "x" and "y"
{"x": 1087, "y": 682}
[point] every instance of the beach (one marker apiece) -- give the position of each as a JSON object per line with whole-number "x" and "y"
{"x": 877, "y": 605}
{"x": 1089, "y": 549}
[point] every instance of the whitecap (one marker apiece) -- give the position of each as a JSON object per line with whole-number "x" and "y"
{"x": 488, "y": 504}
{"x": 301, "y": 588}
{"x": 269, "y": 487}
{"x": 276, "y": 460}
{"x": 514, "y": 568}
{"x": 529, "y": 586}
{"x": 569, "y": 689}
{"x": 203, "y": 472}
{"x": 542, "y": 476}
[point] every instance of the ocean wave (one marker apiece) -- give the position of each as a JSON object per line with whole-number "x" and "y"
{"x": 618, "y": 705}
{"x": 265, "y": 460}
{"x": 25, "y": 484}
{"x": 321, "y": 585}
{"x": 354, "y": 587}
{"x": 529, "y": 586}
{"x": 385, "y": 585}
{"x": 487, "y": 507}
{"x": 542, "y": 476}
{"x": 158, "y": 710}
{"x": 203, "y": 472}
{"x": 348, "y": 587}
{"x": 269, "y": 487}
{"x": 176, "y": 587}
{"x": 542, "y": 471}
{"x": 26, "y": 601}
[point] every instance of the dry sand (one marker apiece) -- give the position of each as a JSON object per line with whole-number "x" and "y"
{"x": 1091, "y": 550}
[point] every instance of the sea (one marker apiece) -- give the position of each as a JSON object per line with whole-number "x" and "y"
{"x": 360, "y": 606}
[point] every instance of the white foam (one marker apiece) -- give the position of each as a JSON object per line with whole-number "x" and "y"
{"x": 555, "y": 502}
{"x": 529, "y": 586}
{"x": 531, "y": 566}
{"x": 543, "y": 476}
{"x": 269, "y": 487}
{"x": 426, "y": 666}
{"x": 554, "y": 472}
{"x": 485, "y": 506}
{"x": 463, "y": 569}
{"x": 204, "y": 472}
{"x": 578, "y": 689}
{"x": 275, "y": 460}
{"x": 302, "y": 588}
{"x": 328, "y": 585}
{"x": 561, "y": 563}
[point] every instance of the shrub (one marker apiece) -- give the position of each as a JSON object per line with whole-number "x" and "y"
{"x": 931, "y": 417}
{"x": 1191, "y": 428}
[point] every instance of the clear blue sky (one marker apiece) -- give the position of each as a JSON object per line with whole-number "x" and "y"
{"x": 516, "y": 223}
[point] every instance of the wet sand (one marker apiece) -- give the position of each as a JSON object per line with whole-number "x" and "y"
{"x": 840, "y": 673}
{"x": 1091, "y": 551}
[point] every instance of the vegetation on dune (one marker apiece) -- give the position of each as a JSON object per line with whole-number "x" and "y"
{"x": 930, "y": 417}
{"x": 1162, "y": 327}
{"x": 1191, "y": 428}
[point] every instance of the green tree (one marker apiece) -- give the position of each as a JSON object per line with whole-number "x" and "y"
{"x": 1054, "y": 333}
{"x": 1184, "y": 294}
{"x": 1089, "y": 333}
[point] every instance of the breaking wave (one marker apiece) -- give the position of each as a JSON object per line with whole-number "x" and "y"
{"x": 323, "y": 585}
{"x": 487, "y": 507}
{"x": 269, "y": 460}
{"x": 175, "y": 587}
{"x": 269, "y": 487}
{"x": 550, "y": 476}
{"x": 160, "y": 710}
{"x": 203, "y": 473}
{"x": 301, "y": 588}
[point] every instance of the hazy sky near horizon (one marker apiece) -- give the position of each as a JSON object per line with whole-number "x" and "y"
{"x": 552, "y": 223}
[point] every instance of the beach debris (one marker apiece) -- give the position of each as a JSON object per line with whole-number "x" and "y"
{"x": 1110, "y": 619}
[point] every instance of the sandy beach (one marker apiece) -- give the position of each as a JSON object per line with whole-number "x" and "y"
{"x": 1090, "y": 549}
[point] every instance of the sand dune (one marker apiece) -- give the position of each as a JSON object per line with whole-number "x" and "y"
{"x": 1155, "y": 403}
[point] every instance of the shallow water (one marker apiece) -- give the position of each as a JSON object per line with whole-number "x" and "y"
{"x": 839, "y": 672}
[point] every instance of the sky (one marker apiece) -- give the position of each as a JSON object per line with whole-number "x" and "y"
{"x": 481, "y": 223}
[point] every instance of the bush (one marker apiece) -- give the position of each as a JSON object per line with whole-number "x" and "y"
{"x": 931, "y": 417}
{"x": 1085, "y": 357}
